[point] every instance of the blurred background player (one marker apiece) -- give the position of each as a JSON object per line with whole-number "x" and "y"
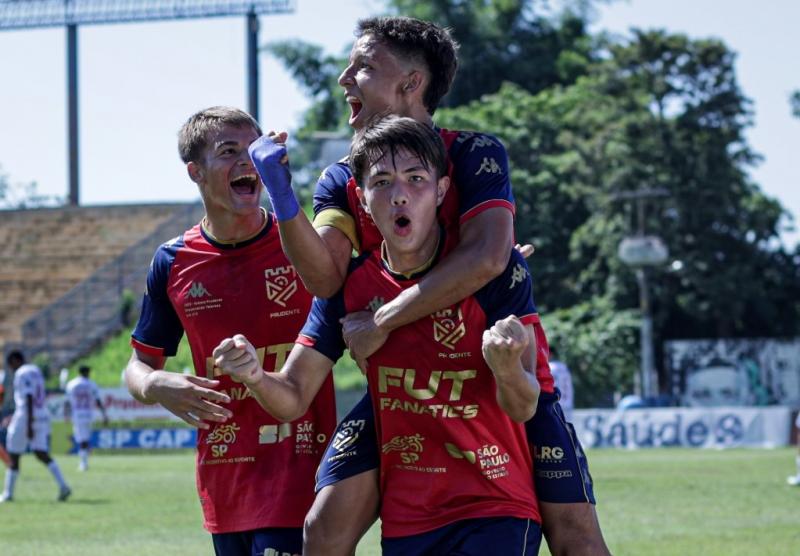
{"x": 6, "y": 409}
{"x": 30, "y": 426}
{"x": 82, "y": 395}
{"x": 563, "y": 381}
{"x": 794, "y": 480}
{"x": 405, "y": 66}
{"x": 228, "y": 275}
{"x": 464, "y": 423}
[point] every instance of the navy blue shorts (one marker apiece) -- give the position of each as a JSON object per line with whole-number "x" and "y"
{"x": 471, "y": 537}
{"x": 560, "y": 469}
{"x": 353, "y": 448}
{"x": 270, "y": 541}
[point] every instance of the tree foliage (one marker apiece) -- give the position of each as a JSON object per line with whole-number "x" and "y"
{"x": 588, "y": 120}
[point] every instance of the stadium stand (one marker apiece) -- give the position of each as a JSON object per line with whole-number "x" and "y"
{"x": 65, "y": 272}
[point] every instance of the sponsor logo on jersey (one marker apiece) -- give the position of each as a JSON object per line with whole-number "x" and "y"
{"x": 441, "y": 385}
{"x": 518, "y": 275}
{"x": 410, "y": 447}
{"x": 489, "y": 166}
{"x": 489, "y": 457}
{"x": 272, "y": 434}
{"x": 197, "y": 291}
{"x": 448, "y": 326}
{"x": 222, "y": 437}
{"x": 278, "y": 552}
{"x": 458, "y": 453}
{"x": 375, "y": 304}
{"x": 306, "y": 441}
{"x": 281, "y": 284}
{"x": 549, "y": 454}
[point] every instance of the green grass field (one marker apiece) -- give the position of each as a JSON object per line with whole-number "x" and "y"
{"x": 659, "y": 502}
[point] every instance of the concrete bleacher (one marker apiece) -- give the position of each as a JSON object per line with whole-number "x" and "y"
{"x": 44, "y": 253}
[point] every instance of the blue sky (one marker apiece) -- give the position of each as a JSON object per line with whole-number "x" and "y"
{"x": 140, "y": 82}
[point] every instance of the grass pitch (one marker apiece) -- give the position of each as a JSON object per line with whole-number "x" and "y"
{"x": 651, "y": 502}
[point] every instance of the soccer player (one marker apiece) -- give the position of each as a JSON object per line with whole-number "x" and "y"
{"x": 30, "y": 426}
{"x": 82, "y": 394}
{"x": 228, "y": 274}
{"x": 794, "y": 480}
{"x": 441, "y": 409}
{"x": 405, "y": 66}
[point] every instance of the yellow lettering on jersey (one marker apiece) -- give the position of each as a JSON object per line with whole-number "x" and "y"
{"x": 281, "y": 351}
{"x": 390, "y": 376}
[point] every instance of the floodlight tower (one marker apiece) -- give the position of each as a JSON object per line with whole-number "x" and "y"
{"x": 32, "y": 14}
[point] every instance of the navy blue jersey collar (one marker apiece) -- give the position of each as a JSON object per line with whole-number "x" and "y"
{"x": 228, "y": 245}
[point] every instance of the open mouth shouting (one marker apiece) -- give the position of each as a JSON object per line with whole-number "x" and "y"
{"x": 246, "y": 184}
{"x": 355, "y": 107}
{"x": 402, "y": 225}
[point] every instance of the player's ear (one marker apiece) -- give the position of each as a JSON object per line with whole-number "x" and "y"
{"x": 195, "y": 171}
{"x": 362, "y": 198}
{"x": 413, "y": 82}
{"x": 441, "y": 189}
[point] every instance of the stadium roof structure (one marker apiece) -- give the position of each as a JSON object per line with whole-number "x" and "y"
{"x": 30, "y": 14}
{"x": 33, "y": 14}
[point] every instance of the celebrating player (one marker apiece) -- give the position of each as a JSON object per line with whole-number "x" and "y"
{"x": 405, "y": 66}
{"x": 30, "y": 426}
{"x": 440, "y": 408}
{"x": 82, "y": 394}
{"x": 255, "y": 475}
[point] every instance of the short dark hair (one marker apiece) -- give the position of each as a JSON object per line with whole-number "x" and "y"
{"x": 421, "y": 41}
{"x": 193, "y": 135}
{"x": 15, "y": 356}
{"x": 84, "y": 370}
{"x": 391, "y": 134}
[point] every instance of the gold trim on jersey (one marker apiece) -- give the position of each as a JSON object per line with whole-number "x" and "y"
{"x": 341, "y": 220}
{"x": 421, "y": 268}
{"x": 204, "y": 225}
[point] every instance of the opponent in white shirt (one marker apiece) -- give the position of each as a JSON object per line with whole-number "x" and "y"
{"x": 30, "y": 425}
{"x": 563, "y": 380}
{"x": 82, "y": 395}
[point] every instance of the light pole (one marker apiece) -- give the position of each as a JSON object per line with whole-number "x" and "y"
{"x": 640, "y": 251}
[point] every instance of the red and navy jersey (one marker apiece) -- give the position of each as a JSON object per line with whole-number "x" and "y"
{"x": 448, "y": 451}
{"x": 252, "y": 471}
{"x": 478, "y": 170}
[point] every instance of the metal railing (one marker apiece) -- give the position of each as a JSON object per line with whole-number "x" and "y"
{"x": 102, "y": 304}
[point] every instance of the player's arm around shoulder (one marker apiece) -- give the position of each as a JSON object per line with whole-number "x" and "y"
{"x": 192, "y": 398}
{"x": 509, "y": 348}
{"x": 286, "y": 395}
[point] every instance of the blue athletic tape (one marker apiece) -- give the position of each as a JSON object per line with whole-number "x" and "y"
{"x": 266, "y": 156}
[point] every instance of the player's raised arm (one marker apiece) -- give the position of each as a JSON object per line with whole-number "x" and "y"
{"x": 509, "y": 348}
{"x": 320, "y": 259}
{"x": 189, "y": 397}
{"x": 286, "y": 395}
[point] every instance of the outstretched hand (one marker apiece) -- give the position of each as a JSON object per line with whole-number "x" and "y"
{"x": 192, "y": 398}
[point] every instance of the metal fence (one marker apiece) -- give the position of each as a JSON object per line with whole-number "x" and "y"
{"x": 101, "y": 305}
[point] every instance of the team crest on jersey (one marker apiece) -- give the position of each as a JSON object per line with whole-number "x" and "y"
{"x": 448, "y": 326}
{"x": 223, "y": 434}
{"x": 347, "y": 434}
{"x": 281, "y": 283}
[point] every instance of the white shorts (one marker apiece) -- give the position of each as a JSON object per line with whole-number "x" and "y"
{"x": 17, "y": 441}
{"x": 82, "y": 431}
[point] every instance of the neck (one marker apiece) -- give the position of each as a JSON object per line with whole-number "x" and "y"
{"x": 228, "y": 227}
{"x": 414, "y": 262}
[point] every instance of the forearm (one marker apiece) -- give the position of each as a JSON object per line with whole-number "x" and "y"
{"x": 481, "y": 255}
{"x": 137, "y": 375}
{"x": 518, "y": 393}
{"x": 312, "y": 258}
{"x": 280, "y": 396}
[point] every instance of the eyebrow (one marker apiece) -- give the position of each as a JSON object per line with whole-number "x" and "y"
{"x": 219, "y": 144}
